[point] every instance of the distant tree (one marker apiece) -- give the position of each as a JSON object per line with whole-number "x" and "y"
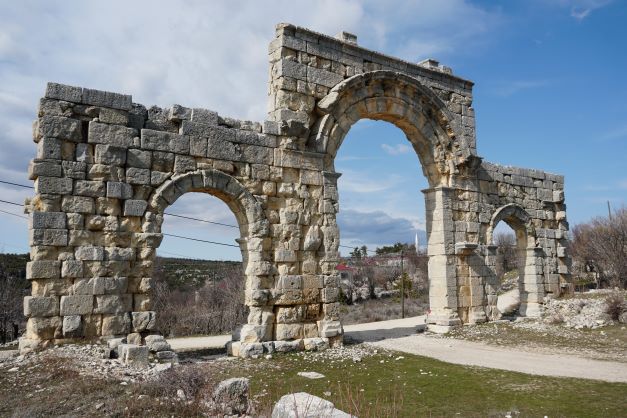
{"x": 389, "y": 249}
{"x": 600, "y": 246}
{"x": 356, "y": 253}
{"x": 13, "y": 286}
{"x": 364, "y": 251}
{"x": 507, "y": 253}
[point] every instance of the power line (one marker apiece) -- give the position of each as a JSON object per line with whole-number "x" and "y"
{"x": 11, "y": 203}
{"x": 201, "y": 240}
{"x": 14, "y": 214}
{"x": 16, "y": 184}
{"x": 200, "y": 220}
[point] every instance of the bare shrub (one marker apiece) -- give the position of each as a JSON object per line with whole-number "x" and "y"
{"x": 599, "y": 248}
{"x": 217, "y": 307}
{"x": 13, "y": 287}
{"x": 615, "y": 305}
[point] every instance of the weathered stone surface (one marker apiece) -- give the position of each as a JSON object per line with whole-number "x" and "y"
{"x": 107, "y": 170}
{"x": 41, "y": 306}
{"x": 119, "y": 324}
{"x": 231, "y": 396}
{"x": 72, "y": 326}
{"x": 303, "y": 404}
{"x": 144, "y": 321}
{"x": 114, "y": 135}
{"x": 133, "y": 355}
{"x": 77, "y": 305}
{"x": 43, "y": 269}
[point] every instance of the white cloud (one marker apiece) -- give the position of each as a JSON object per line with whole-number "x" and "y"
{"x": 581, "y": 9}
{"x": 375, "y": 228}
{"x": 509, "y": 88}
{"x": 362, "y": 182}
{"x": 396, "y": 149}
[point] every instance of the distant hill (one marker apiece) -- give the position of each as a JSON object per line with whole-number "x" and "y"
{"x": 179, "y": 273}
{"x": 191, "y": 274}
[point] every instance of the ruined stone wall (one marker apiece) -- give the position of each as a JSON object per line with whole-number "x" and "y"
{"x": 106, "y": 170}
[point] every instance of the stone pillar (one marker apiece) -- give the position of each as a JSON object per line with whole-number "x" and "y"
{"x": 532, "y": 289}
{"x": 442, "y": 259}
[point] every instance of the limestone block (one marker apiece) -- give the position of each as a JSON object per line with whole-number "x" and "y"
{"x": 91, "y": 286}
{"x": 78, "y": 204}
{"x": 49, "y": 148}
{"x": 114, "y": 285}
{"x": 250, "y": 350}
{"x": 119, "y": 190}
{"x": 142, "y": 302}
{"x": 119, "y": 324}
{"x": 289, "y": 331}
{"x": 330, "y": 328}
{"x": 139, "y": 158}
{"x": 89, "y": 253}
{"x": 255, "y": 333}
{"x": 61, "y": 128}
{"x": 311, "y": 281}
{"x": 41, "y": 306}
{"x": 106, "y": 99}
{"x": 113, "y": 116}
{"x": 330, "y": 294}
{"x": 110, "y": 155}
{"x": 289, "y": 282}
{"x": 331, "y": 311}
{"x": 63, "y": 92}
{"x": 164, "y": 141}
{"x": 184, "y": 163}
{"x": 135, "y": 207}
{"x": 85, "y": 153}
{"x": 134, "y": 355}
{"x": 144, "y": 321}
{"x": 288, "y": 346}
{"x": 119, "y": 254}
{"x": 72, "y": 269}
{"x": 43, "y": 269}
{"x": 38, "y": 328}
{"x": 113, "y": 304}
{"x": 310, "y": 330}
{"x": 72, "y": 326}
{"x": 285, "y": 256}
{"x": 77, "y": 305}
{"x": 157, "y": 343}
{"x": 45, "y": 220}
{"x": 138, "y": 175}
{"x": 89, "y": 188}
{"x": 44, "y": 168}
{"x": 134, "y": 338}
{"x": 115, "y": 135}
{"x": 53, "y": 185}
{"x": 316, "y": 344}
{"x": 147, "y": 239}
{"x": 260, "y": 315}
{"x": 291, "y": 314}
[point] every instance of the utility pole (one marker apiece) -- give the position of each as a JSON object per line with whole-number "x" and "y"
{"x": 609, "y": 210}
{"x": 402, "y": 288}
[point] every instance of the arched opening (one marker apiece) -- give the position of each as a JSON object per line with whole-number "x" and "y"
{"x": 509, "y": 263}
{"x": 199, "y": 278}
{"x": 382, "y": 225}
{"x": 429, "y": 127}
{"x": 514, "y": 285}
{"x": 253, "y": 238}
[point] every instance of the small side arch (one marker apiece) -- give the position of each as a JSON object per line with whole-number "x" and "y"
{"x": 518, "y": 219}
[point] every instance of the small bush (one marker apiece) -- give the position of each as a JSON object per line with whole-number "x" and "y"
{"x": 615, "y": 304}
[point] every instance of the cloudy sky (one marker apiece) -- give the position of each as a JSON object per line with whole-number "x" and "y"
{"x": 550, "y": 91}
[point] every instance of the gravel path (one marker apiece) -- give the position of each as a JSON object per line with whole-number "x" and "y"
{"x": 400, "y": 335}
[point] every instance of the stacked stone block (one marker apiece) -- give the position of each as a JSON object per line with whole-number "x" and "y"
{"x": 106, "y": 169}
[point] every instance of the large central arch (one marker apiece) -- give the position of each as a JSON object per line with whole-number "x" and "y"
{"x": 423, "y": 117}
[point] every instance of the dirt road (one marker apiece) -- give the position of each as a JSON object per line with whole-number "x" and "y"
{"x": 400, "y": 335}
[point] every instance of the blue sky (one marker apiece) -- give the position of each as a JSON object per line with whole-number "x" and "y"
{"x": 549, "y": 91}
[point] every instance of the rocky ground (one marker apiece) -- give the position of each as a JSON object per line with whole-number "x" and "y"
{"x": 577, "y": 325}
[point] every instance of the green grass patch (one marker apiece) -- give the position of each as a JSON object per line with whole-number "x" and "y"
{"x": 417, "y": 386}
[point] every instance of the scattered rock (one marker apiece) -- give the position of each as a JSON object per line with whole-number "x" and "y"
{"x": 231, "y": 395}
{"x": 311, "y": 375}
{"x": 305, "y": 405}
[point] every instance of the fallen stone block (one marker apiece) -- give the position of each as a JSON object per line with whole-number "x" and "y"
{"x": 305, "y": 405}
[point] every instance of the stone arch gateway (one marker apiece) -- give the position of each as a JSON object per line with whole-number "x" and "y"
{"x": 106, "y": 168}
